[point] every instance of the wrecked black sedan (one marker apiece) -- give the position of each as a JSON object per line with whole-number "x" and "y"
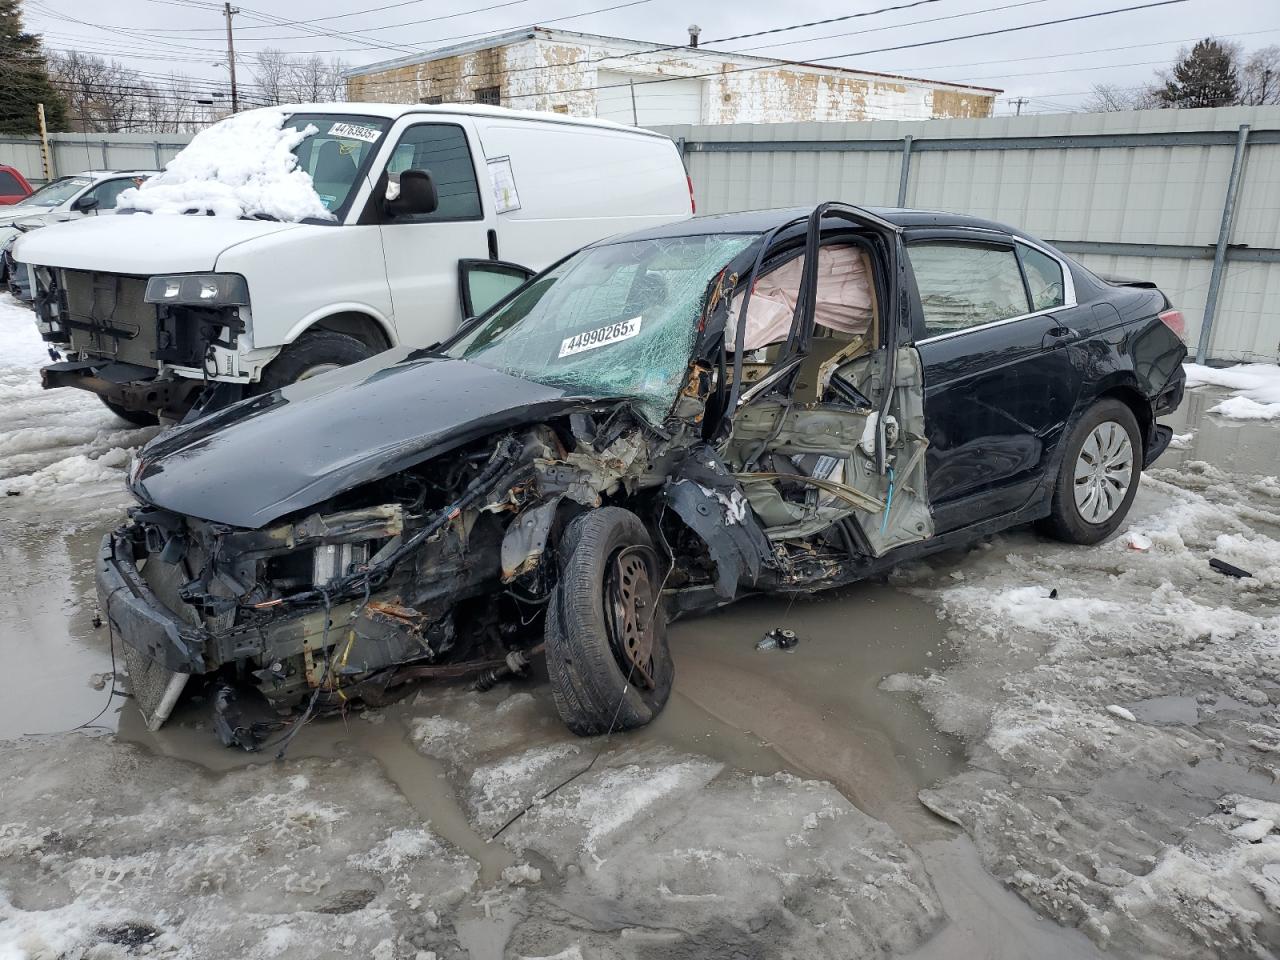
{"x": 780, "y": 401}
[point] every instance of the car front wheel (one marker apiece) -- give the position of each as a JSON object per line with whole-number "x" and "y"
{"x": 606, "y": 632}
{"x": 1098, "y": 478}
{"x": 312, "y": 354}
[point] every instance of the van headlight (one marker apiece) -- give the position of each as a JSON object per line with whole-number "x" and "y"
{"x": 199, "y": 290}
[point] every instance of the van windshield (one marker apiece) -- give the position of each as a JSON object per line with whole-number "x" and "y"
{"x": 336, "y": 154}
{"x": 55, "y": 192}
{"x": 618, "y": 320}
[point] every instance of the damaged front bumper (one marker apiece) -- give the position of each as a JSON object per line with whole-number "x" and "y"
{"x": 126, "y": 385}
{"x": 161, "y": 651}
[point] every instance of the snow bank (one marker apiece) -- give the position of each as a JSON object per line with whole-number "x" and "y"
{"x": 63, "y": 455}
{"x": 1256, "y": 387}
{"x": 239, "y": 167}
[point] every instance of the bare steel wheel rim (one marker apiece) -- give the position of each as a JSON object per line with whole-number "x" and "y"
{"x": 316, "y": 370}
{"x": 1104, "y": 471}
{"x": 629, "y": 595}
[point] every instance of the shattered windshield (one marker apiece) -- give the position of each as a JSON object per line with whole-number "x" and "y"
{"x": 613, "y": 321}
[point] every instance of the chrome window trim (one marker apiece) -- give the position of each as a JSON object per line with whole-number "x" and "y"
{"x": 1068, "y": 291}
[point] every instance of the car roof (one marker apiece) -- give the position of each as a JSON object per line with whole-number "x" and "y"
{"x": 761, "y": 221}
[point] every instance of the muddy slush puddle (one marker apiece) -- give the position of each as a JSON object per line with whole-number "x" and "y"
{"x": 816, "y": 710}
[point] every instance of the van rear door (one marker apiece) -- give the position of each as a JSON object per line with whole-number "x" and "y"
{"x": 422, "y": 250}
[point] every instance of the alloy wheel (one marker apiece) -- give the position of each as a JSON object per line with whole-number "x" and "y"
{"x": 1104, "y": 470}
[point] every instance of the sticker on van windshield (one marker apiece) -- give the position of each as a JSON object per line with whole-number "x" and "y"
{"x": 353, "y": 131}
{"x": 600, "y": 337}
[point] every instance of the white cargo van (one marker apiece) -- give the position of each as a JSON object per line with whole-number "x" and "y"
{"x": 426, "y": 214}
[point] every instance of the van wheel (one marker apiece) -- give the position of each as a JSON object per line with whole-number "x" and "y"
{"x": 139, "y": 418}
{"x": 1098, "y": 478}
{"x": 312, "y": 354}
{"x": 606, "y": 632}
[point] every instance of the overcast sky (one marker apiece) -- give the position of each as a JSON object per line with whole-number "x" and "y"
{"x": 1053, "y": 66}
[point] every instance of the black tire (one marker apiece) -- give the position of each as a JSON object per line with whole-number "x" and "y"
{"x": 317, "y": 348}
{"x": 1065, "y": 521}
{"x": 595, "y": 688}
{"x": 139, "y": 418}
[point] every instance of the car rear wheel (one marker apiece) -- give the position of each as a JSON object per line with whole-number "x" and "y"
{"x": 139, "y": 418}
{"x": 312, "y": 354}
{"x": 1098, "y": 478}
{"x": 606, "y": 632}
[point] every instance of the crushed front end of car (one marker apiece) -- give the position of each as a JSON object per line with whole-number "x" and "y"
{"x": 434, "y": 571}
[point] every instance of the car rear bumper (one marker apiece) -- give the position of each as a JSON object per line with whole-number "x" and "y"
{"x": 124, "y": 384}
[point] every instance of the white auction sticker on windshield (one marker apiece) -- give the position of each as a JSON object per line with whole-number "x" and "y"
{"x": 353, "y": 131}
{"x": 600, "y": 337}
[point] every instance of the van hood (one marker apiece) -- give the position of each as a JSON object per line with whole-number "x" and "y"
{"x": 141, "y": 244}
{"x": 269, "y": 456}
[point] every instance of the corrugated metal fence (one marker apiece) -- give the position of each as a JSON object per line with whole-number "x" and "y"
{"x": 73, "y": 152}
{"x": 1142, "y": 194}
{"x": 1139, "y": 194}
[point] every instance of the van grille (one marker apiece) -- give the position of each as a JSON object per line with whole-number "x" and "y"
{"x": 109, "y": 318}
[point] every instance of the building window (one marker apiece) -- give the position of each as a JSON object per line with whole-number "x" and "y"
{"x": 431, "y": 100}
{"x": 489, "y": 95}
{"x": 560, "y": 108}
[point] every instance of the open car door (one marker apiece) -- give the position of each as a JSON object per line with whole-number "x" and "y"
{"x": 828, "y": 435}
{"x": 483, "y": 284}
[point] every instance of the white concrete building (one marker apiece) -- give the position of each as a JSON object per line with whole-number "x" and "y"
{"x": 584, "y": 75}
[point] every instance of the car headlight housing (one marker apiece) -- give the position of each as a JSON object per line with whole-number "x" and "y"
{"x": 199, "y": 290}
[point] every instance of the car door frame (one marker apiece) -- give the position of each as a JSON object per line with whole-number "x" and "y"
{"x": 368, "y": 212}
{"x": 997, "y": 495}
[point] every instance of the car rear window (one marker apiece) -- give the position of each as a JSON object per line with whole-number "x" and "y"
{"x": 9, "y": 185}
{"x": 966, "y": 284}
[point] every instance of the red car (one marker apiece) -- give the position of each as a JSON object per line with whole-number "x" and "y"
{"x": 13, "y": 186}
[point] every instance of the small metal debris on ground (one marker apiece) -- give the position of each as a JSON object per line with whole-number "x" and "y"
{"x": 13, "y": 493}
{"x": 1228, "y": 569}
{"x": 778, "y": 639}
{"x": 1053, "y": 594}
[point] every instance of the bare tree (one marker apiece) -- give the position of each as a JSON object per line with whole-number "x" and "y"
{"x": 1108, "y": 98}
{"x": 270, "y": 71}
{"x": 282, "y": 78}
{"x": 1260, "y": 77}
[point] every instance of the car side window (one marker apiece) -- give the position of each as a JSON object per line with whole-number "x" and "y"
{"x": 964, "y": 284}
{"x": 1044, "y": 278}
{"x": 440, "y": 148}
{"x": 108, "y": 193}
{"x": 9, "y": 185}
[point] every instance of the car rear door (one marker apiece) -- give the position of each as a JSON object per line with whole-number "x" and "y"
{"x": 997, "y": 330}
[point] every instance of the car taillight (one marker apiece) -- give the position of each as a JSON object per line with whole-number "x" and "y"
{"x": 1173, "y": 319}
{"x": 693, "y": 205}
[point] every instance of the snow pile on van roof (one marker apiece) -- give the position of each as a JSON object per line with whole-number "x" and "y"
{"x": 239, "y": 167}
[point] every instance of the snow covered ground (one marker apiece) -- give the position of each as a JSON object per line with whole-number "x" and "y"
{"x": 62, "y": 453}
{"x": 1255, "y": 389}
{"x": 1119, "y": 708}
{"x": 1115, "y": 758}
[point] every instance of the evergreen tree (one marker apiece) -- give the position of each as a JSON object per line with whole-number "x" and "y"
{"x": 24, "y": 78}
{"x": 1205, "y": 77}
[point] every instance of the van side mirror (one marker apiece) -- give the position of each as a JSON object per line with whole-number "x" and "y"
{"x": 417, "y": 195}
{"x": 85, "y": 204}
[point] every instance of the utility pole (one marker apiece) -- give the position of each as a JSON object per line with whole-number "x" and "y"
{"x": 229, "y": 10}
{"x": 45, "y": 161}
{"x": 1017, "y": 104}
